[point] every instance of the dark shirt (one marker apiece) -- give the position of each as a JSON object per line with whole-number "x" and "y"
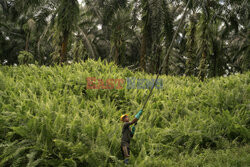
{"x": 126, "y": 133}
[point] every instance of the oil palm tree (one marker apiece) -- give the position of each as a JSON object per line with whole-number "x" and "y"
{"x": 66, "y": 22}
{"x": 157, "y": 28}
{"x": 120, "y": 34}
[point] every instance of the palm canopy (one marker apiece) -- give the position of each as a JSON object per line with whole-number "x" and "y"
{"x": 213, "y": 41}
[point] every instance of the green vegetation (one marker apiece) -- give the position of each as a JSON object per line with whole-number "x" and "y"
{"x": 48, "y": 118}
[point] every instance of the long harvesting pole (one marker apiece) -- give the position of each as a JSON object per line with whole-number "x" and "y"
{"x": 167, "y": 55}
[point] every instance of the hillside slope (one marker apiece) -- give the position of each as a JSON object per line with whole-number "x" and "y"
{"x": 48, "y": 117}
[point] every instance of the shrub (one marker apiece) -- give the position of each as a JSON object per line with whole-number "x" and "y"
{"x": 49, "y": 118}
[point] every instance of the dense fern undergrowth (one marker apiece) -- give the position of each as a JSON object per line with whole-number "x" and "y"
{"x": 49, "y": 118}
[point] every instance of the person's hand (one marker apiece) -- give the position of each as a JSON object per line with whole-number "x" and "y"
{"x": 138, "y": 115}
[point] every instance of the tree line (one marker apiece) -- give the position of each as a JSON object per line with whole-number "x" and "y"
{"x": 213, "y": 41}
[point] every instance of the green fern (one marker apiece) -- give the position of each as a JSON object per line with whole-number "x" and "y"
{"x": 46, "y": 121}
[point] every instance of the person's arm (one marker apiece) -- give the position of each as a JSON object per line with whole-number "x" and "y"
{"x": 134, "y": 121}
{"x": 137, "y": 117}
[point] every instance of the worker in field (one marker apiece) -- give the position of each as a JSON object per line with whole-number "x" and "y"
{"x": 127, "y": 134}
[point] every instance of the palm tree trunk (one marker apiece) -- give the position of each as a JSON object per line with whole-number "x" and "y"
{"x": 190, "y": 45}
{"x": 158, "y": 51}
{"x": 143, "y": 53}
{"x": 27, "y": 42}
{"x": 167, "y": 65}
{"x": 215, "y": 65}
{"x": 87, "y": 44}
{"x": 153, "y": 61}
{"x": 64, "y": 46}
{"x": 202, "y": 66}
{"x": 116, "y": 55}
{"x": 145, "y": 49}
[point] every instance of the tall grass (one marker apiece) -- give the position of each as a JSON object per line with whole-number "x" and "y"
{"x": 49, "y": 118}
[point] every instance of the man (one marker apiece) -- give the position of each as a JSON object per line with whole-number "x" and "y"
{"x": 127, "y": 134}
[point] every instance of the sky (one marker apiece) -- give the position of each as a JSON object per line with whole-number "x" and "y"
{"x": 80, "y": 1}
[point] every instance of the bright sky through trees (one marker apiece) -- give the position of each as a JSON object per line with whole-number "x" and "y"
{"x": 80, "y": 1}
